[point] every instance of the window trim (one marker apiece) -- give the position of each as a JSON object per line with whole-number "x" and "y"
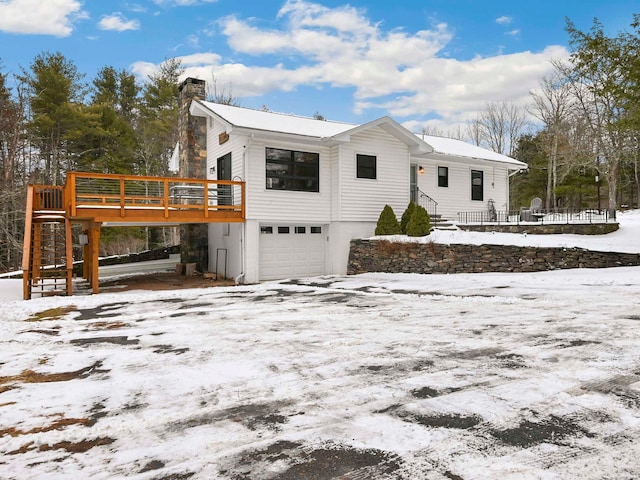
{"x": 443, "y": 180}
{"x": 290, "y": 179}
{"x": 368, "y": 169}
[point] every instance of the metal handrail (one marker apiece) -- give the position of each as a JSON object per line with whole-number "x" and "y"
{"x": 425, "y": 201}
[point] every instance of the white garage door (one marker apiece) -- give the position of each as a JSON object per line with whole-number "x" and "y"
{"x": 291, "y": 251}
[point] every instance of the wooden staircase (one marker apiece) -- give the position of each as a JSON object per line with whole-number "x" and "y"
{"x": 91, "y": 200}
{"x": 47, "y": 261}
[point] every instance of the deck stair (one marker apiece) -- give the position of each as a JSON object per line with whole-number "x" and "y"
{"x": 48, "y": 260}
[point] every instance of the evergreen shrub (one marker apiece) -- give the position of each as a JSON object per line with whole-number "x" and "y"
{"x": 387, "y": 222}
{"x": 420, "y": 223}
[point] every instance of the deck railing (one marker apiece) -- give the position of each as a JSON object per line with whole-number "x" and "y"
{"x": 537, "y": 217}
{"x": 125, "y": 196}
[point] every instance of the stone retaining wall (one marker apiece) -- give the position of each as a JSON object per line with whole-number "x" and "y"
{"x": 554, "y": 228}
{"x": 391, "y": 257}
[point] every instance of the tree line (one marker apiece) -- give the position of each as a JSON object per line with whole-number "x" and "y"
{"x": 52, "y": 121}
{"x": 580, "y": 135}
{"x": 584, "y": 144}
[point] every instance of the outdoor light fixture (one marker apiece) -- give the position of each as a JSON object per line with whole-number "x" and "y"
{"x": 212, "y": 170}
{"x": 420, "y": 170}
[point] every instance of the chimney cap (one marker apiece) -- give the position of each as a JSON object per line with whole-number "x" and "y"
{"x": 191, "y": 80}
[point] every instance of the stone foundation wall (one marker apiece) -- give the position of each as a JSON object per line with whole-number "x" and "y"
{"x": 390, "y": 257}
{"x": 577, "y": 229}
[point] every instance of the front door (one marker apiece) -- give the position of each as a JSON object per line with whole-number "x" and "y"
{"x": 224, "y": 173}
{"x": 413, "y": 183}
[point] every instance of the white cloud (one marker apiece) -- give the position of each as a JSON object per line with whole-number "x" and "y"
{"x": 504, "y": 20}
{"x": 117, "y": 22}
{"x": 53, "y": 17}
{"x": 406, "y": 73}
{"x": 513, "y": 33}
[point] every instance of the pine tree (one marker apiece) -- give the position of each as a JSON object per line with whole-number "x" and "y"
{"x": 406, "y": 216}
{"x": 387, "y": 222}
{"x": 56, "y": 90}
{"x": 419, "y": 224}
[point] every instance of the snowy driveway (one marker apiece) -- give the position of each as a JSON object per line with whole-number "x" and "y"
{"x": 506, "y": 376}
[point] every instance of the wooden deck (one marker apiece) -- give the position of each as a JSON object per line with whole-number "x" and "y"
{"x": 139, "y": 199}
{"x": 92, "y": 199}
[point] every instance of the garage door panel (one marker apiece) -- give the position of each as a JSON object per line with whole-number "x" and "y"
{"x": 294, "y": 254}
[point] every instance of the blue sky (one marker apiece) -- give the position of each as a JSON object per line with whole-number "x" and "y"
{"x": 428, "y": 62}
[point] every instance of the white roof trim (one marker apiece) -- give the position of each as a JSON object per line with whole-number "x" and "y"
{"x": 457, "y": 148}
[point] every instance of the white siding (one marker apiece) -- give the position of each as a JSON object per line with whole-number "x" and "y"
{"x": 363, "y": 199}
{"x": 340, "y": 236}
{"x": 457, "y": 196}
{"x": 281, "y": 205}
{"x": 235, "y": 145}
{"x": 225, "y": 242}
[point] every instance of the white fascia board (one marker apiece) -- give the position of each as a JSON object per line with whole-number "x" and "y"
{"x": 477, "y": 161}
{"x": 287, "y": 137}
{"x": 197, "y": 109}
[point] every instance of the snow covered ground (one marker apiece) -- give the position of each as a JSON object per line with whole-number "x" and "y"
{"x": 470, "y": 376}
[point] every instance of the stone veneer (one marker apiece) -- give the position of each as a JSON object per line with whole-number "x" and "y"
{"x": 393, "y": 257}
{"x": 192, "y": 135}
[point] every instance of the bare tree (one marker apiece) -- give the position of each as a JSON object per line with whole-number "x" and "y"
{"x": 13, "y": 176}
{"x": 553, "y": 103}
{"x": 500, "y": 126}
{"x": 221, "y": 95}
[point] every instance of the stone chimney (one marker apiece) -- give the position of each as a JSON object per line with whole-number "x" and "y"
{"x": 192, "y": 135}
{"x": 192, "y": 131}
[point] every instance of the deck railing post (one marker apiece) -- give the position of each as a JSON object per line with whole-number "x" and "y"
{"x": 166, "y": 198}
{"x": 122, "y": 210}
{"x": 205, "y": 198}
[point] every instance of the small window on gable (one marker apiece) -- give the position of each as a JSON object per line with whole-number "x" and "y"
{"x": 366, "y": 166}
{"x": 443, "y": 176}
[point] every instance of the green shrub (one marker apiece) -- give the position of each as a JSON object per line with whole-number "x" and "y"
{"x": 387, "y": 222}
{"x": 419, "y": 224}
{"x": 406, "y": 216}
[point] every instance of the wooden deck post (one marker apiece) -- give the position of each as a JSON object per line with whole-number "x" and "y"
{"x": 69, "y": 254}
{"x": 91, "y": 260}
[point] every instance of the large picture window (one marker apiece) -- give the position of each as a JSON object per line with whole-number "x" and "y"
{"x": 477, "y": 185}
{"x": 443, "y": 176}
{"x": 365, "y": 166}
{"x": 292, "y": 170}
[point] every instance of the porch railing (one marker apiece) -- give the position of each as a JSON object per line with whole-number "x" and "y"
{"x": 538, "y": 217}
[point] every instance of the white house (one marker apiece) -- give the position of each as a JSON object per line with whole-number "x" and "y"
{"x": 314, "y": 185}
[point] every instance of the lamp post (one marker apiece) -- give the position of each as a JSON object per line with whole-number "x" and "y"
{"x": 598, "y": 186}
